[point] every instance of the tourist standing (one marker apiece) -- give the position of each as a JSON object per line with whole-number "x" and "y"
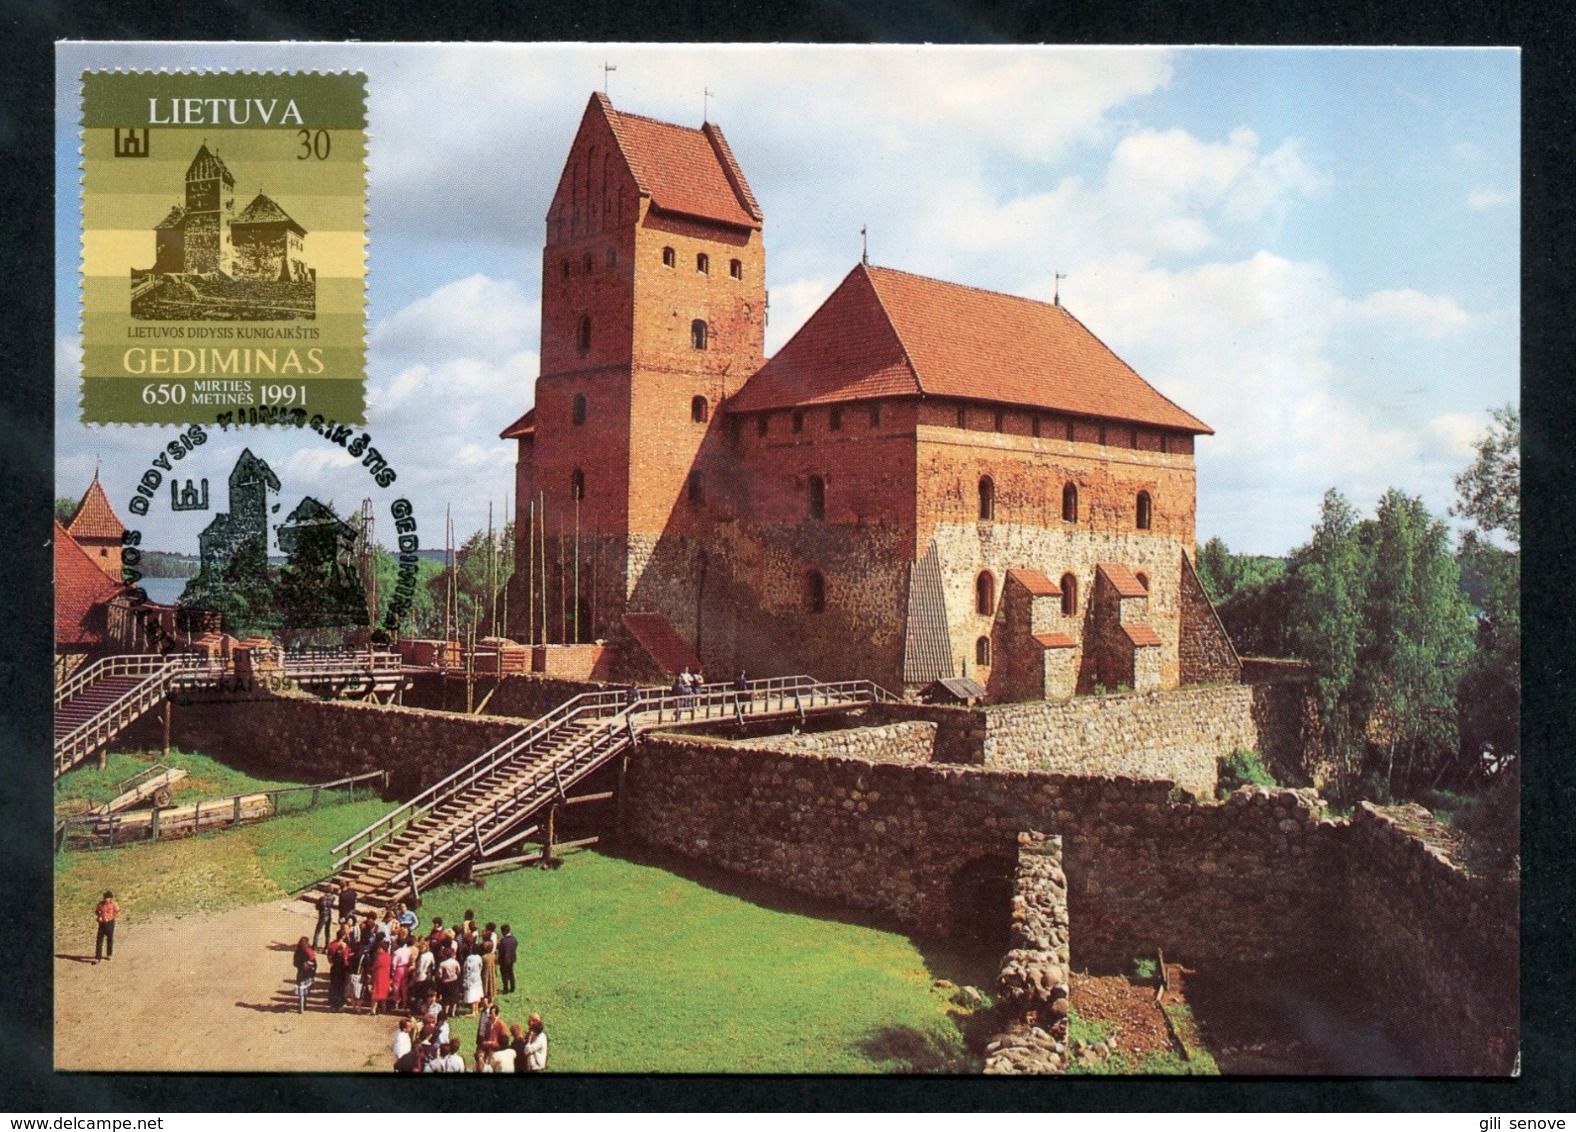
{"x": 489, "y": 972}
{"x": 106, "y": 912}
{"x": 326, "y": 901}
{"x": 306, "y": 971}
{"x": 449, "y": 981}
{"x": 381, "y": 965}
{"x": 338, "y": 970}
{"x": 535, "y": 1046}
{"x": 508, "y": 950}
{"x": 473, "y": 981}
{"x": 347, "y": 903}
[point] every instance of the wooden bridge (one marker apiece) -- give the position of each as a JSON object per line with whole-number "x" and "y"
{"x": 495, "y": 802}
{"x": 102, "y": 699}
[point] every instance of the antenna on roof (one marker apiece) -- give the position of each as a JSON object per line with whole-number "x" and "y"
{"x": 607, "y": 69}
{"x": 705, "y": 95}
{"x": 1057, "y": 297}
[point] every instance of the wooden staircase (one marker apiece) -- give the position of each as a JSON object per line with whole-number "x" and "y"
{"x": 495, "y": 801}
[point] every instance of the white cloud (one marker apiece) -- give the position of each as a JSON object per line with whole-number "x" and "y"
{"x": 1483, "y": 198}
{"x": 1430, "y": 316}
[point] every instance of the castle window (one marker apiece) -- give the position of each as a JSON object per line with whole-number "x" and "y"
{"x": 703, "y": 263}
{"x": 817, "y": 497}
{"x": 566, "y": 269}
{"x": 699, "y": 409}
{"x": 697, "y": 494}
{"x": 1145, "y": 511}
{"x": 1036, "y": 427}
{"x": 815, "y": 592}
{"x": 585, "y": 264}
{"x": 835, "y": 423}
{"x": 963, "y": 416}
{"x": 982, "y": 652}
{"x": 612, "y": 257}
{"x": 987, "y": 498}
{"x": 668, "y": 257}
{"x": 736, "y": 269}
{"x": 585, "y": 333}
{"x": 1069, "y": 594}
{"x": 698, "y": 334}
{"x": 1143, "y": 580}
{"x": 577, "y": 485}
{"x": 798, "y": 421}
{"x": 875, "y": 415}
{"x": 762, "y": 424}
{"x": 1069, "y": 430}
{"x": 985, "y": 594}
{"x": 1000, "y": 420}
{"x": 1070, "y": 503}
{"x": 577, "y": 415}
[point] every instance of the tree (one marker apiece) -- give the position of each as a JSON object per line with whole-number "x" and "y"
{"x": 64, "y": 510}
{"x": 1489, "y": 492}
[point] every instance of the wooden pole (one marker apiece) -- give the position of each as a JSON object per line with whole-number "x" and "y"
{"x": 167, "y": 728}
{"x": 547, "y": 845}
{"x": 618, "y": 796}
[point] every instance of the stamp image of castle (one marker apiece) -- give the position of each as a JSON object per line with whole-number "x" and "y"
{"x": 215, "y": 263}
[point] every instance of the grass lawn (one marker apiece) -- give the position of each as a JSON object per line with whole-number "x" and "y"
{"x": 636, "y": 967}
{"x": 87, "y": 786}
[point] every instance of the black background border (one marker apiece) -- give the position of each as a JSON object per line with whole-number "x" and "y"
{"x": 27, "y": 83}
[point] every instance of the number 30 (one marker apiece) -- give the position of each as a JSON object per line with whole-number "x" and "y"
{"x": 313, "y": 144}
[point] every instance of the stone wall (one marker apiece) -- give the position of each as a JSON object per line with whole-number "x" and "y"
{"x": 1036, "y": 972}
{"x": 910, "y": 742}
{"x": 1204, "y": 649}
{"x": 1261, "y": 880}
{"x": 307, "y": 740}
{"x": 1176, "y": 734}
{"x": 519, "y": 697}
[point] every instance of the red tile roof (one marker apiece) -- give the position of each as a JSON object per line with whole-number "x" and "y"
{"x": 95, "y": 518}
{"x": 683, "y": 170}
{"x": 662, "y": 641}
{"x": 525, "y": 426}
{"x": 1140, "y": 634}
{"x": 80, "y": 587}
{"x": 1123, "y": 580}
{"x": 886, "y": 333}
{"x": 1035, "y": 582}
{"x": 1054, "y": 641}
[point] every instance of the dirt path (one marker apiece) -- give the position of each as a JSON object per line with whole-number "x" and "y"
{"x": 203, "y": 993}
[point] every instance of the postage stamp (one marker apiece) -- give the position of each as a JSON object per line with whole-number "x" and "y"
{"x": 223, "y": 244}
{"x": 834, "y": 567}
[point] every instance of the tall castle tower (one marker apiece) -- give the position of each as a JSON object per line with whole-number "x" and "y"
{"x": 210, "y": 208}
{"x": 653, "y": 313}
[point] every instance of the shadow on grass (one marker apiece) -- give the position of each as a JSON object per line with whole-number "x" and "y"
{"x": 964, "y": 962}
{"x": 908, "y": 1049}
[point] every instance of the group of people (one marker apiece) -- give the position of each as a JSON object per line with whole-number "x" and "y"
{"x": 386, "y": 965}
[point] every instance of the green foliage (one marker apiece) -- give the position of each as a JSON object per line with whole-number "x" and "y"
{"x": 88, "y": 786}
{"x": 423, "y": 618}
{"x": 1489, "y": 492}
{"x": 480, "y": 574}
{"x": 158, "y": 564}
{"x": 1144, "y": 969}
{"x": 65, "y": 509}
{"x": 1241, "y": 768}
{"x": 242, "y": 591}
{"x": 1225, "y": 575}
{"x": 1196, "y": 1061}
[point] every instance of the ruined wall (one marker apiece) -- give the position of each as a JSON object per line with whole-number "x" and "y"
{"x": 1177, "y": 734}
{"x": 911, "y": 742}
{"x": 1036, "y": 972}
{"x": 307, "y": 740}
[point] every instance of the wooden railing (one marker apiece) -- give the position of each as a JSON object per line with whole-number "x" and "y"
{"x": 92, "y": 733}
{"x": 616, "y": 719}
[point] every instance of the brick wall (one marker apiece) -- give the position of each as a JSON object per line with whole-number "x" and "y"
{"x": 1205, "y": 652}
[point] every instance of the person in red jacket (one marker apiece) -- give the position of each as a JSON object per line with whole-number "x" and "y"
{"x": 106, "y": 913}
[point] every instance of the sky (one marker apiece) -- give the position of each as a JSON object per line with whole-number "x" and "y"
{"x": 1315, "y": 251}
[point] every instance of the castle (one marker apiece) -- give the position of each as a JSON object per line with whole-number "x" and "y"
{"x": 928, "y": 481}
{"x": 205, "y": 236}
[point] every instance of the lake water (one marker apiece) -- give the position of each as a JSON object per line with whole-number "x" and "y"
{"x": 164, "y": 591}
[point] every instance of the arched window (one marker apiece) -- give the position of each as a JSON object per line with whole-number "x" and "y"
{"x": 668, "y": 257}
{"x": 835, "y": 420}
{"x": 703, "y": 263}
{"x": 762, "y": 423}
{"x": 985, "y": 594}
{"x": 736, "y": 269}
{"x": 585, "y": 333}
{"x": 815, "y": 592}
{"x": 699, "y": 409}
{"x": 577, "y": 415}
{"x": 1145, "y": 511}
{"x": 1069, "y": 594}
{"x": 585, "y": 264}
{"x": 698, "y": 334}
{"x": 1070, "y": 503}
{"x": 982, "y": 652}
{"x": 817, "y": 497}
{"x": 697, "y": 494}
{"x": 987, "y": 498}
{"x": 577, "y": 485}
{"x": 1143, "y": 580}
{"x": 798, "y": 421}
